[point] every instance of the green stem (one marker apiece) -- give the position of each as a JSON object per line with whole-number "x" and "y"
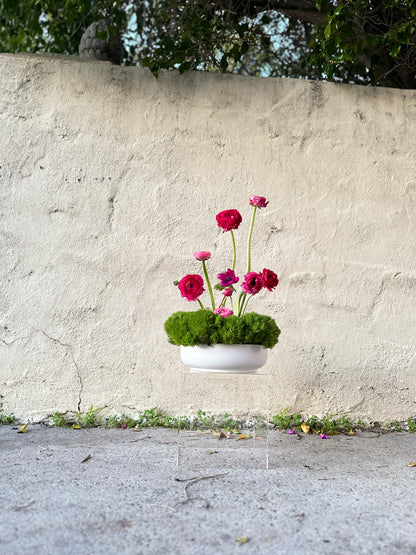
{"x": 249, "y": 240}
{"x": 240, "y": 305}
{"x": 200, "y": 304}
{"x": 234, "y": 250}
{"x": 244, "y": 309}
{"x": 209, "y": 285}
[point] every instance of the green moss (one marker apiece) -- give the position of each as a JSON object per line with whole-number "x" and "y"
{"x": 203, "y": 327}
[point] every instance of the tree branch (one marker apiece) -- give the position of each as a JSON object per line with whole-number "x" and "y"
{"x": 304, "y": 10}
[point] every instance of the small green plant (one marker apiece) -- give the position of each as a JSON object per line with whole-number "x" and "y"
{"x": 113, "y": 421}
{"x": 411, "y": 425}
{"x": 228, "y": 424}
{"x": 59, "y": 420}
{"x": 313, "y": 422}
{"x": 344, "y": 424}
{"x": 360, "y": 425}
{"x": 87, "y": 419}
{"x": 282, "y": 420}
{"x": 396, "y": 426}
{"x": 204, "y": 421}
{"x": 150, "y": 417}
{"x": 328, "y": 426}
{"x": 297, "y": 419}
{"x": 7, "y": 420}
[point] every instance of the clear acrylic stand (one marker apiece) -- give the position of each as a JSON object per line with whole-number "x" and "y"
{"x": 218, "y": 444}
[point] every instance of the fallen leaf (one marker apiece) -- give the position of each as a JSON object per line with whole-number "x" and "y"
{"x": 22, "y": 429}
{"x": 240, "y": 541}
{"x": 76, "y": 427}
{"x": 87, "y": 458}
{"x": 244, "y": 436}
{"x": 212, "y": 452}
{"x": 352, "y": 433}
{"x": 412, "y": 464}
{"x": 305, "y": 428}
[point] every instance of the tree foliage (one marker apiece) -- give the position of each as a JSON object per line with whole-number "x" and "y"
{"x": 355, "y": 41}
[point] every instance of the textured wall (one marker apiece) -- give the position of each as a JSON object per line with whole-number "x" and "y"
{"x": 110, "y": 179}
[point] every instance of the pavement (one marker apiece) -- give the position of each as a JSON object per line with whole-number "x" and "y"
{"x": 105, "y": 491}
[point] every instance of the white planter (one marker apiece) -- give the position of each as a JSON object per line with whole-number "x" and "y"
{"x": 226, "y": 359}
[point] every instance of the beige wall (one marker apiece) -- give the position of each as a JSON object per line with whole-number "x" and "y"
{"x": 110, "y": 179}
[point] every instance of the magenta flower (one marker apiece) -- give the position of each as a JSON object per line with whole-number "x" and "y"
{"x": 123, "y": 425}
{"x": 229, "y": 219}
{"x": 191, "y": 287}
{"x": 270, "y": 279}
{"x": 291, "y": 432}
{"x": 224, "y": 312}
{"x": 202, "y": 255}
{"x": 260, "y": 202}
{"x": 227, "y": 292}
{"x": 228, "y": 278}
{"x": 324, "y": 436}
{"x": 253, "y": 283}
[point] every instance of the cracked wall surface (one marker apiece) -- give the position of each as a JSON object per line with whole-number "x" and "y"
{"x": 111, "y": 179}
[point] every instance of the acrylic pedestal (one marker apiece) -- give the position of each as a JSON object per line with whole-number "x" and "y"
{"x": 209, "y": 445}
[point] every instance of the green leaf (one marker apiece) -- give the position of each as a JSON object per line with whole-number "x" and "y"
{"x": 395, "y": 50}
{"x": 184, "y": 67}
{"x": 168, "y": 43}
{"x": 241, "y": 29}
{"x": 327, "y": 31}
{"x": 244, "y": 48}
{"x": 235, "y": 53}
{"x": 224, "y": 62}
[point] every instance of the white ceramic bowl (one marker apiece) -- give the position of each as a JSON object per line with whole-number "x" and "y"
{"x": 227, "y": 359}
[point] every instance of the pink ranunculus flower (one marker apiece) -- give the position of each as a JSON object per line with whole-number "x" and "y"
{"x": 202, "y": 255}
{"x": 228, "y": 278}
{"x": 270, "y": 279}
{"x": 191, "y": 287}
{"x": 224, "y": 312}
{"x": 260, "y": 202}
{"x": 227, "y": 292}
{"x": 229, "y": 219}
{"x": 253, "y": 283}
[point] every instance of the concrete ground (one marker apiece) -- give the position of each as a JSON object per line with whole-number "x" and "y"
{"x": 101, "y": 491}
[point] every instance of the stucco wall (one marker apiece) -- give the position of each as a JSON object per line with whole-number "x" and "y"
{"x": 111, "y": 179}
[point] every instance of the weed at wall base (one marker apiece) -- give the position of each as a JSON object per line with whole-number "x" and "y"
{"x": 154, "y": 417}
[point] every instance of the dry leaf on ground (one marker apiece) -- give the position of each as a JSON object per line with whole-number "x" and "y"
{"x": 411, "y": 464}
{"x": 22, "y": 429}
{"x": 305, "y": 428}
{"x": 240, "y": 541}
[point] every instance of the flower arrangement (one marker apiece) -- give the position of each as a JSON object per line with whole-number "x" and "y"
{"x": 220, "y": 323}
